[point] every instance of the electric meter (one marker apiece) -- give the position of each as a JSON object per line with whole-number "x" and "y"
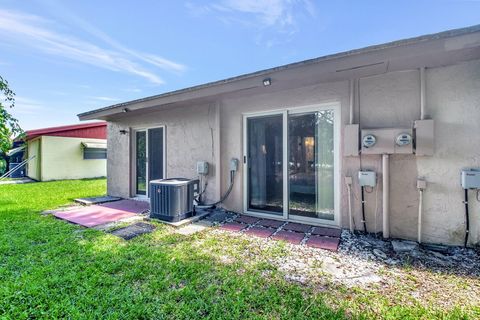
{"x": 369, "y": 140}
{"x": 403, "y": 139}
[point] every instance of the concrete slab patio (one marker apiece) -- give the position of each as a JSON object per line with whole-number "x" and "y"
{"x": 100, "y": 214}
{"x": 294, "y": 233}
{"x": 96, "y": 200}
{"x": 289, "y": 236}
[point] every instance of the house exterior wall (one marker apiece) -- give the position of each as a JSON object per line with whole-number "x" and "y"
{"x": 453, "y": 100}
{"x": 62, "y": 158}
{"x": 386, "y": 100}
{"x": 190, "y": 135}
{"x": 33, "y": 166}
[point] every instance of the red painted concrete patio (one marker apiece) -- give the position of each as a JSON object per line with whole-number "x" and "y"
{"x": 294, "y": 233}
{"x": 99, "y": 214}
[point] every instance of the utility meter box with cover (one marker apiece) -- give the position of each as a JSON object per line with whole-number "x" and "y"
{"x": 367, "y": 178}
{"x": 470, "y": 179}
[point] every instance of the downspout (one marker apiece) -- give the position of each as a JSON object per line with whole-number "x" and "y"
{"x": 386, "y": 195}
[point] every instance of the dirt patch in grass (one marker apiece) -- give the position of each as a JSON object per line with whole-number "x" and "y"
{"x": 358, "y": 280}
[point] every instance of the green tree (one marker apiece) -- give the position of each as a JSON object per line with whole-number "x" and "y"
{"x": 8, "y": 124}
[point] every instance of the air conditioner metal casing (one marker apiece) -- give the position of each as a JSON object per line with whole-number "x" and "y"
{"x": 172, "y": 199}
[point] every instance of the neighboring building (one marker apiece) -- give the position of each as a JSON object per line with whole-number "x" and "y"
{"x": 296, "y": 130}
{"x": 15, "y": 158}
{"x": 67, "y": 152}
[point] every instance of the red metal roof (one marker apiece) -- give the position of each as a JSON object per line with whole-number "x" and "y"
{"x": 92, "y": 130}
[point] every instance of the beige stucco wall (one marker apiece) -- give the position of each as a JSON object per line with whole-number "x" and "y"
{"x": 189, "y": 134}
{"x": 387, "y": 100}
{"x": 453, "y": 100}
{"x": 33, "y": 151}
{"x": 62, "y": 158}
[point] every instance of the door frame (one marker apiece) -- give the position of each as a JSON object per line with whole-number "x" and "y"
{"x": 134, "y": 157}
{"x": 335, "y": 106}
{"x": 246, "y": 116}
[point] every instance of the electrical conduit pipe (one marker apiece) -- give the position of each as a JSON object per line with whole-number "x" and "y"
{"x": 421, "y": 188}
{"x": 420, "y": 205}
{"x": 386, "y": 195}
{"x": 348, "y": 182}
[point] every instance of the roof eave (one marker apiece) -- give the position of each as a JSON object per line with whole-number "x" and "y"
{"x": 103, "y": 113}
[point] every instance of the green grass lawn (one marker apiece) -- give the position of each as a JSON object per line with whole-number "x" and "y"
{"x": 53, "y": 269}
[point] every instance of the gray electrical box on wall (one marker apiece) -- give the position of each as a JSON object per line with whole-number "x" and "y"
{"x": 367, "y": 178}
{"x": 350, "y": 147}
{"x": 470, "y": 178}
{"x": 202, "y": 168}
{"x": 424, "y": 137}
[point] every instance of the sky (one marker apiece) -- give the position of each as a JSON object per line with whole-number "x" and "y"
{"x": 65, "y": 57}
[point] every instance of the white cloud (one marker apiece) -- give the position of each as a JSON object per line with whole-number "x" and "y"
{"x": 68, "y": 16}
{"x": 273, "y": 21}
{"x": 36, "y": 32}
{"x": 269, "y": 12}
{"x": 135, "y": 90}
{"x": 265, "y": 13}
{"x": 101, "y": 98}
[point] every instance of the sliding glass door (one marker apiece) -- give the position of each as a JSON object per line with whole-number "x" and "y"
{"x": 265, "y": 163}
{"x": 149, "y": 158}
{"x": 290, "y": 157}
{"x": 311, "y": 165}
{"x": 141, "y": 162}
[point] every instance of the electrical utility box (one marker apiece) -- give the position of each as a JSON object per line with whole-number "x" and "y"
{"x": 387, "y": 141}
{"x": 233, "y": 164}
{"x": 470, "y": 179}
{"x": 367, "y": 178}
{"x": 424, "y": 137}
{"x": 202, "y": 168}
{"x": 350, "y": 145}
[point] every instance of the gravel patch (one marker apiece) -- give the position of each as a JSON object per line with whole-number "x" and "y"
{"x": 423, "y": 276}
{"x": 403, "y": 272}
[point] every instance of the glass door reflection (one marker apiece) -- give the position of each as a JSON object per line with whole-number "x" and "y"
{"x": 265, "y": 165}
{"x": 311, "y": 164}
{"x": 141, "y": 162}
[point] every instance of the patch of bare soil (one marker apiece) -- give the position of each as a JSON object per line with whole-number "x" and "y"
{"x": 416, "y": 275}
